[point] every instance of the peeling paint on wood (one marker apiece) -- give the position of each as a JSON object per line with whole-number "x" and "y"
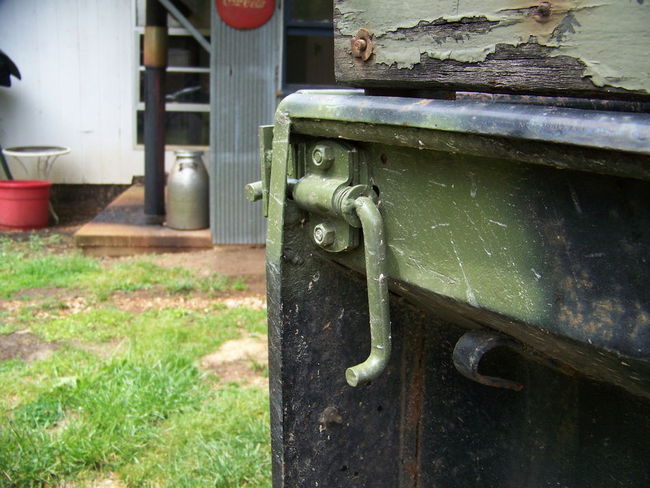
{"x": 575, "y": 45}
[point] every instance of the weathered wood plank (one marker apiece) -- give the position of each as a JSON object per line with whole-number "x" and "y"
{"x": 572, "y": 47}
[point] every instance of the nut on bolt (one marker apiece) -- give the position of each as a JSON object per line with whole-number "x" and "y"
{"x": 362, "y": 45}
{"x": 324, "y": 235}
{"x": 322, "y": 156}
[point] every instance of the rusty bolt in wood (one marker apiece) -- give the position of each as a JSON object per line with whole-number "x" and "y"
{"x": 362, "y": 45}
{"x": 542, "y": 12}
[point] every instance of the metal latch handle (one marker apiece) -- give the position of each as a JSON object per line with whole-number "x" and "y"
{"x": 378, "y": 304}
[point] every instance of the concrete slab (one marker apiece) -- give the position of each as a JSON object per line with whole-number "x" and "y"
{"x": 120, "y": 230}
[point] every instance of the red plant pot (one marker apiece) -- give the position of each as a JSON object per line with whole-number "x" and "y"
{"x": 24, "y": 204}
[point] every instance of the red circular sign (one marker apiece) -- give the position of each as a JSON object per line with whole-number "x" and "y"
{"x": 245, "y": 14}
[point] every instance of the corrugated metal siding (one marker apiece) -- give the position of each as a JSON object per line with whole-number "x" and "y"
{"x": 243, "y": 97}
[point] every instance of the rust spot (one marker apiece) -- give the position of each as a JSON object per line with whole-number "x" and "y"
{"x": 362, "y": 44}
{"x": 413, "y": 409}
{"x": 543, "y": 20}
{"x": 542, "y": 12}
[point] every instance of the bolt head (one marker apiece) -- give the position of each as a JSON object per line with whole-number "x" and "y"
{"x": 322, "y": 156}
{"x": 358, "y": 46}
{"x": 362, "y": 44}
{"x": 324, "y": 235}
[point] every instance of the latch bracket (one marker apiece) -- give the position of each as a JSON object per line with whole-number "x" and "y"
{"x": 331, "y": 190}
{"x": 330, "y": 170}
{"x": 340, "y": 204}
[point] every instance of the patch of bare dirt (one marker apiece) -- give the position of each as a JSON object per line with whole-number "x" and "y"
{"x": 11, "y": 306}
{"x": 66, "y": 304}
{"x": 42, "y": 293}
{"x": 240, "y": 360}
{"x": 24, "y": 345}
{"x": 235, "y": 261}
{"x": 228, "y": 260}
{"x": 254, "y": 302}
{"x": 134, "y": 302}
{"x": 112, "y": 481}
{"x": 144, "y": 300}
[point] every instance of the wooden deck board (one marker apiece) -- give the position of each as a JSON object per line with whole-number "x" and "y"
{"x": 120, "y": 229}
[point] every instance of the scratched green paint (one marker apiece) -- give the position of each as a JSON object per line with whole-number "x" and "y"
{"x": 456, "y": 226}
{"x": 611, "y": 37}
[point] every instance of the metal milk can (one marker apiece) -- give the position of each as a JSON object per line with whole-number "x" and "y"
{"x": 187, "y": 192}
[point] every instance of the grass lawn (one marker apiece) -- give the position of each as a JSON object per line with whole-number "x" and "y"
{"x": 103, "y": 378}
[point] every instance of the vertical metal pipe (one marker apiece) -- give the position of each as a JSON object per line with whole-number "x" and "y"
{"x": 155, "y": 62}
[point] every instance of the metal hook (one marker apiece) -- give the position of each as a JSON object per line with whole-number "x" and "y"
{"x": 471, "y": 348}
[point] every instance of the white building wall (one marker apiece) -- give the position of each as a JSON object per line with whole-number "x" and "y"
{"x": 76, "y": 58}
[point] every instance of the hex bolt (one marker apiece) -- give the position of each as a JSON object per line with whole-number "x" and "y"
{"x": 324, "y": 235}
{"x": 361, "y": 44}
{"x": 322, "y": 156}
{"x": 358, "y": 47}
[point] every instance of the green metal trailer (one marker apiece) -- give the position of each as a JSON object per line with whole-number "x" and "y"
{"x": 458, "y": 285}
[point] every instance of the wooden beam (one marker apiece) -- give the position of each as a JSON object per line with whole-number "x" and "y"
{"x": 573, "y": 48}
